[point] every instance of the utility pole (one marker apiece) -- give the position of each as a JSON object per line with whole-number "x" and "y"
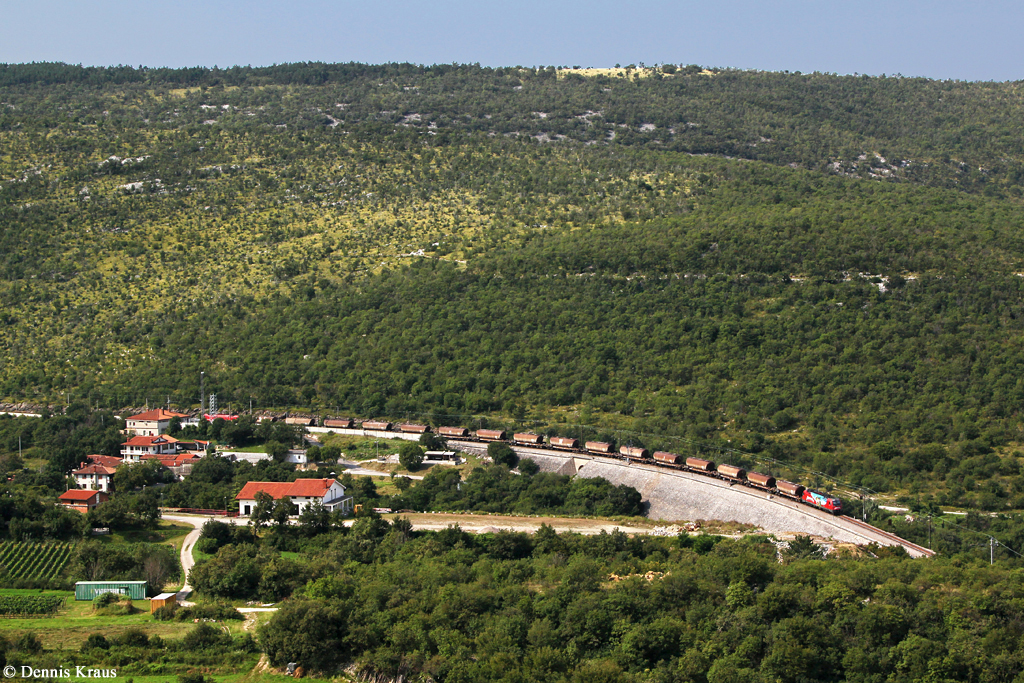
{"x": 992, "y": 543}
{"x": 202, "y": 396}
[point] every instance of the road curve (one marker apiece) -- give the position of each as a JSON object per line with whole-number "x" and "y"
{"x": 187, "y": 561}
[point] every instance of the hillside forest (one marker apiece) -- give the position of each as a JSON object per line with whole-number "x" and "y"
{"x": 818, "y": 271}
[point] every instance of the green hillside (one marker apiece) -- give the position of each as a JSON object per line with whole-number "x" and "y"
{"x": 820, "y": 269}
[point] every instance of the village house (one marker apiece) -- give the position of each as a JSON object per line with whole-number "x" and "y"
{"x": 95, "y": 478}
{"x": 178, "y": 463}
{"x": 81, "y": 500}
{"x": 302, "y": 493}
{"x": 136, "y": 447}
{"x": 105, "y": 460}
{"x": 151, "y": 422}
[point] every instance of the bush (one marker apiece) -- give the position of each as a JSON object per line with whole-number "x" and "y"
{"x": 133, "y": 637}
{"x": 195, "y": 678}
{"x": 217, "y": 611}
{"x": 207, "y": 546}
{"x": 95, "y": 641}
{"x": 104, "y": 600}
{"x": 29, "y": 643}
{"x": 165, "y": 613}
{"x": 116, "y": 607}
{"x": 203, "y": 637}
{"x": 528, "y": 467}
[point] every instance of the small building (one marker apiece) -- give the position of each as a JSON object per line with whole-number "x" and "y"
{"x": 296, "y": 456}
{"x": 151, "y": 422}
{"x": 441, "y": 455}
{"x": 163, "y": 600}
{"x": 197, "y": 446}
{"x": 136, "y": 447}
{"x": 302, "y": 493}
{"x": 90, "y": 590}
{"x": 95, "y": 478}
{"x": 81, "y": 500}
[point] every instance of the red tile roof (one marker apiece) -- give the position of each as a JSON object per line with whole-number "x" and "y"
{"x": 279, "y": 489}
{"x": 149, "y": 440}
{"x": 105, "y": 460}
{"x": 158, "y": 415}
{"x": 95, "y": 469}
{"x": 78, "y": 495}
{"x": 311, "y": 487}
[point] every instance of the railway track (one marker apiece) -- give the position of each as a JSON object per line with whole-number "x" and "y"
{"x": 924, "y": 552}
{"x": 746, "y": 499}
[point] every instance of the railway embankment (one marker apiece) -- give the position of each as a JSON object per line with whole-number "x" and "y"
{"x": 673, "y": 495}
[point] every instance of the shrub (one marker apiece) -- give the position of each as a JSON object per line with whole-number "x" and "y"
{"x": 117, "y": 607}
{"x": 207, "y": 546}
{"x": 217, "y": 611}
{"x": 528, "y": 467}
{"x": 165, "y": 613}
{"x": 29, "y": 642}
{"x": 133, "y": 637}
{"x": 105, "y": 599}
{"x": 94, "y": 641}
{"x": 194, "y": 678}
{"x": 203, "y": 637}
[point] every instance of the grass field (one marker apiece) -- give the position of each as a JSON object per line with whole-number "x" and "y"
{"x": 250, "y": 449}
{"x": 171, "y": 533}
{"x": 71, "y": 626}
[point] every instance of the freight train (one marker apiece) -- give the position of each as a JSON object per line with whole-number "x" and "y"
{"x": 729, "y": 473}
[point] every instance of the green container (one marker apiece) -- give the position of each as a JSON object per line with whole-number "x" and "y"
{"x": 89, "y": 590}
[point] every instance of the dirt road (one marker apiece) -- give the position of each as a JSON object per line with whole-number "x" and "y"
{"x": 482, "y": 524}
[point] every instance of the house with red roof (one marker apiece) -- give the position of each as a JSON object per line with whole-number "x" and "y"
{"x": 94, "y": 478}
{"x": 151, "y": 422}
{"x": 105, "y": 460}
{"x": 302, "y": 493}
{"x": 82, "y": 500}
{"x": 136, "y": 447}
{"x": 178, "y": 463}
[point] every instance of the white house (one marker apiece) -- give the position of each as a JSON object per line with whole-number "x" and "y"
{"x": 134, "y": 448}
{"x": 95, "y": 477}
{"x": 151, "y": 422}
{"x": 302, "y": 493}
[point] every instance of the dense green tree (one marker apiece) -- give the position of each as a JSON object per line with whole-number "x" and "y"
{"x": 410, "y": 455}
{"x": 502, "y": 454}
{"x": 263, "y": 513}
{"x": 310, "y": 633}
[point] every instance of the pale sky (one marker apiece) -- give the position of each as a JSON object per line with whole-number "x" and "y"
{"x": 940, "y": 39}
